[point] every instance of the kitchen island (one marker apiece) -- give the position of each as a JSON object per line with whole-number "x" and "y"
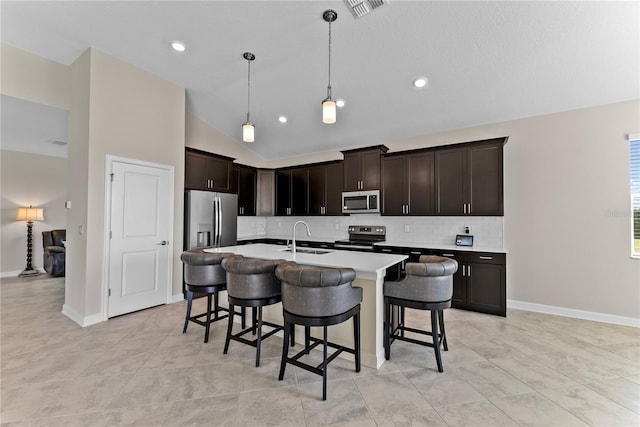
{"x": 370, "y": 271}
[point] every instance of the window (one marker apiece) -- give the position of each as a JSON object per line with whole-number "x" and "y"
{"x": 634, "y": 156}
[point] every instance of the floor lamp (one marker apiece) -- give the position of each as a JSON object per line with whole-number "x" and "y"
{"x": 29, "y": 214}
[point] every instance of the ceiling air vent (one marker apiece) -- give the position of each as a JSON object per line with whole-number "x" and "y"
{"x": 360, "y": 8}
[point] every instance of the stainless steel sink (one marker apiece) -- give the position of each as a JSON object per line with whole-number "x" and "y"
{"x": 307, "y": 251}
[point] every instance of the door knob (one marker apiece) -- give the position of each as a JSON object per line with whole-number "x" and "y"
{"x": 164, "y": 243}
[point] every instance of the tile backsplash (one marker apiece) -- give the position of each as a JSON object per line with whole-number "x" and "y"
{"x": 487, "y": 231}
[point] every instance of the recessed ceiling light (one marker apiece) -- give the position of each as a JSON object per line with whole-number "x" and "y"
{"x": 178, "y": 46}
{"x": 420, "y": 82}
{"x": 282, "y": 119}
{"x": 340, "y": 102}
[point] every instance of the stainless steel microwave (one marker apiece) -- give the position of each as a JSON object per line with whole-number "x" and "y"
{"x": 361, "y": 201}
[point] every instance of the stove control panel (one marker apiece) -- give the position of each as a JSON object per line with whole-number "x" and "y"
{"x": 371, "y": 230}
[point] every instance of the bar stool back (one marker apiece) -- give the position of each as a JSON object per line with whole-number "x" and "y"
{"x": 203, "y": 274}
{"x": 428, "y": 285}
{"x": 251, "y": 283}
{"x": 318, "y": 297}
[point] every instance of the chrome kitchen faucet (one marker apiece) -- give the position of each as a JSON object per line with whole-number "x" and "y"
{"x": 293, "y": 240}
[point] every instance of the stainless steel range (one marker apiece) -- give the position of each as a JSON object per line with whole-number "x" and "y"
{"x": 362, "y": 238}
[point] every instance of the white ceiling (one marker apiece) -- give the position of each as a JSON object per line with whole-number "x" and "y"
{"x": 486, "y": 61}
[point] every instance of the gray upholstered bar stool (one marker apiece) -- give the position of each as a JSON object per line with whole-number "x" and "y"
{"x": 428, "y": 285}
{"x": 203, "y": 274}
{"x": 251, "y": 283}
{"x": 318, "y": 297}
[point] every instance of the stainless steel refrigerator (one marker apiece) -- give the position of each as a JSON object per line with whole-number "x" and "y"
{"x": 210, "y": 219}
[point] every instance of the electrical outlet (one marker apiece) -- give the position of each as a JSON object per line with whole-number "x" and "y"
{"x": 407, "y": 228}
{"x": 337, "y": 225}
{"x": 467, "y": 229}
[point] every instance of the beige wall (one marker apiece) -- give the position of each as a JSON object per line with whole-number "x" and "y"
{"x": 132, "y": 114}
{"x": 199, "y": 134}
{"x": 29, "y": 179}
{"x": 31, "y": 77}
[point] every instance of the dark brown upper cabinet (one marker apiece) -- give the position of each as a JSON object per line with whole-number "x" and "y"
{"x": 408, "y": 183}
{"x": 362, "y": 168}
{"x": 291, "y": 191}
{"x": 206, "y": 171}
{"x": 469, "y": 179}
{"x": 243, "y": 183}
{"x": 325, "y": 189}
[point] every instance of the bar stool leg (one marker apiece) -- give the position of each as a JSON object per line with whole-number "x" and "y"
{"x": 259, "y": 339}
{"x": 208, "y": 322}
{"x": 307, "y": 338}
{"x": 216, "y": 307}
{"x": 189, "y": 303}
{"x": 324, "y": 363}
{"x": 229, "y": 328}
{"x": 253, "y": 320}
{"x": 356, "y": 339}
{"x": 387, "y": 329}
{"x": 283, "y": 361}
{"x": 442, "y": 333}
{"x": 436, "y": 342}
{"x": 293, "y": 335}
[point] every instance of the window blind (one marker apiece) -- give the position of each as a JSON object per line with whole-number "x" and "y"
{"x": 634, "y": 156}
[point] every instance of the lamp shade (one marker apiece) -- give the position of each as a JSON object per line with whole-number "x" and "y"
{"x": 248, "y": 132}
{"x": 329, "y": 111}
{"x": 29, "y": 214}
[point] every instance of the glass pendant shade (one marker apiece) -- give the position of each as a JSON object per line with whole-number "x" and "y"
{"x": 329, "y": 111}
{"x": 248, "y": 132}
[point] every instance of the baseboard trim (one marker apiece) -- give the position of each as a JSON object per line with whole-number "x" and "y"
{"x": 9, "y": 274}
{"x": 570, "y": 312}
{"x": 176, "y": 298}
{"x": 17, "y": 272}
{"x": 80, "y": 319}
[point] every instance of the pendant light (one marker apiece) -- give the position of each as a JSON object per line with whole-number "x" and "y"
{"x": 329, "y": 104}
{"x": 248, "y": 129}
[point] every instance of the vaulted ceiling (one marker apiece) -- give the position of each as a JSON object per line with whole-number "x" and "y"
{"x": 486, "y": 61}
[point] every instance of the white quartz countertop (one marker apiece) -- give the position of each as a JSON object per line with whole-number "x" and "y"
{"x": 368, "y": 262}
{"x": 441, "y": 247}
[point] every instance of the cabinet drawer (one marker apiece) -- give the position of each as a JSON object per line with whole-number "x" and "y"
{"x": 486, "y": 257}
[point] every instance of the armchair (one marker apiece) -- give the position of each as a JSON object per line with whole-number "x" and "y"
{"x": 54, "y": 252}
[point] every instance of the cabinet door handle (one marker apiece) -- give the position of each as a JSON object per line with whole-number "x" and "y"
{"x": 415, "y": 253}
{"x": 464, "y": 208}
{"x": 408, "y": 209}
{"x": 486, "y": 257}
{"x": 386, "y": 250}
{"x": 468, "y": 271}
{"x": 450, "y": 256}
{"x": 469, "y": 208}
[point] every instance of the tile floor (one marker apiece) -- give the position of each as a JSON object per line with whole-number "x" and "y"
{"x": 139, "y": 369}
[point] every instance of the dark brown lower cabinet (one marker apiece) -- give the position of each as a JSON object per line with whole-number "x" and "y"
{"x": 480, "y": 284}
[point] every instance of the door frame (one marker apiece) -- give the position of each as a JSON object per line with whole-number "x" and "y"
{"x": 109, "y": 161}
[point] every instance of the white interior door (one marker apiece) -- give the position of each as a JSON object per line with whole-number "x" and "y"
{"x": 139, "y": 262}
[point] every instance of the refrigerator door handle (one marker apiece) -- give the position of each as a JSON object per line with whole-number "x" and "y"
{"x": 219, "y": 222}
{"x": 215, "y": 222}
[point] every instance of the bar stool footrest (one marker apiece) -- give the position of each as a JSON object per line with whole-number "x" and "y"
{"x": 254, "y": 343}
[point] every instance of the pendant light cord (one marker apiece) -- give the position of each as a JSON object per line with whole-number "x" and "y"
{"x": 329, "y": 86}
{"x": 248, "y": 90}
